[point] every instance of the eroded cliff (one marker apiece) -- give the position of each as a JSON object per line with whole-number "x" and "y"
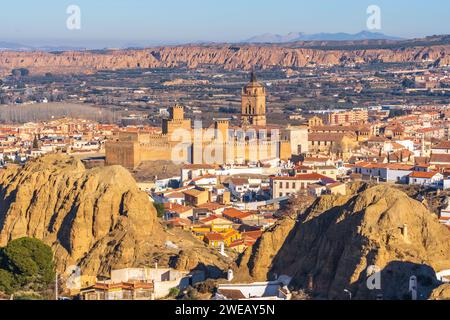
{"x": 226, "y": 56}
{"x": 332, "y": 245}
{"x": 97, "y": 219}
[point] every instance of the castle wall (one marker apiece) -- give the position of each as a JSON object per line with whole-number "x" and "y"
{"x": 124, "y": 153}
{"x": 130, "y": 149}
{"x": 298, "y": 136}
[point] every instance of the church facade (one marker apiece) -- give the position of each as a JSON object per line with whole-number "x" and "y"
{"x": 252, "y": 141}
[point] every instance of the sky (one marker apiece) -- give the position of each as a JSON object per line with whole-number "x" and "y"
{"x": 153, "y": 22}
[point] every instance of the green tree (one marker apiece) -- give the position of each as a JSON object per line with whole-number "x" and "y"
{"x": 6, "y": 281}
{"x": 31, "y": 262}
{"x": 35, "y": 143}
{"x": 159, "y": 209}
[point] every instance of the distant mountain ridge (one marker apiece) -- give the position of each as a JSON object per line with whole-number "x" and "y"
{"x": 299, "y": 36}
{"x": 6, "y": 45}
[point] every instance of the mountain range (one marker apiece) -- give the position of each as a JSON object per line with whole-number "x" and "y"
{"x": 299, "y": 36}
{"x": 264, "y": 38}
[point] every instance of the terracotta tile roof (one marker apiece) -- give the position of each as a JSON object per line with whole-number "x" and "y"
{"x": 175, "y": 195}
{"x": 210, "y": 218}
{"x": 423, "y": 175}
{"x": 234, "y": 213}
{"x": 198, "y": 166}
{"x": 421, "y": 160}
{"x": 334, "y": 185}
{"x": 302, "y": 177}
{"x": 214, "y": 236}
{"x": 239, "y": 181}
{"x": 256, "y": 234}
{"x": 445, "y": 158}
{"x": 211, "y": 206}
{"x": 194, "y": 192}
{"x": 175, "y": 207}
{"x": 315, "y": 159}
{"x": 302, "y": 167}
{"x": 327, "y": 137}
{"x": 443, "y": 145}
{"x": 236, "y": 243}
{"x": 214, "y": 217}
{"x": 180, "y": 222}
{"x": 231, "y": 294}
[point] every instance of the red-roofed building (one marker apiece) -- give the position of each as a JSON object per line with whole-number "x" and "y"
{"x": 440, "y": 159}
{"x": 180, "y": 223}
{"x": 215, "y": 239}
{"x": 390, "y": 172}
{"x": 442, "y": 147}
{"x": 425, "y": 178}
{"x": 216, "y": 223}
{"x": 175, "y": 210}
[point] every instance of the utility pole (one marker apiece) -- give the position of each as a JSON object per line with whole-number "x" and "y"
{"x": 56, "y": 286}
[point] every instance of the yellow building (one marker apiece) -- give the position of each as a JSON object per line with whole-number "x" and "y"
{"x": 215, "y": 239}
{"x": 196, "y": 197}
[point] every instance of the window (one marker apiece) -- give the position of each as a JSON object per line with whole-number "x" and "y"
{"x": 293, "y": 185}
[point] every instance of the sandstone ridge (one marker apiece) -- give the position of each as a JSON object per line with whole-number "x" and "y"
{"x": 335, "y": 241}
{"x": 226, "y": 56}
{"x": 97, "y": 219}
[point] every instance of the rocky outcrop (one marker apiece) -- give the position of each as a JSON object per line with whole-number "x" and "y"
{"x": 87, "y": 216}
{"x": 97, "y": 219}
{"x": 255, "y": 263}
{"x": 226, "y": 56}
{"x": 441, "y": 293}
{"x": 333, "y": 244}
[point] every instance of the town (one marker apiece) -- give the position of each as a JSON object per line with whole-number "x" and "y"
{"x": 229, "y": 204}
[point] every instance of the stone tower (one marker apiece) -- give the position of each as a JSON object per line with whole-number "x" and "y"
{"x": 176, "y": 120}
{"x": 253, "y": 103}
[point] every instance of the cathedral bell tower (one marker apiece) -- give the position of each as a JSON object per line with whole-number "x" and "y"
{"x": 253, "y": 103}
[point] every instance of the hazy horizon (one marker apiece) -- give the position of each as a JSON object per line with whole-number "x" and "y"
{"x": 109, "y": 23}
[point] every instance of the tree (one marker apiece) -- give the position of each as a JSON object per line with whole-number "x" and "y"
{"x": 30, "y": 261}
{"x": 159, "y": 209}
{"x": 408, "y": 83}
{"x": 35, "y": 143}
{"x": 6, "y": 281}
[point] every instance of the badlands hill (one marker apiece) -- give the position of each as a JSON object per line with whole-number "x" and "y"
{"x": 332, "y": 244}
{"x": 97, "y": 219}
{"x": 229, "y": 57}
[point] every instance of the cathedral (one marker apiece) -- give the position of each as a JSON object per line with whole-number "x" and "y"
{"x": 252, "y": 141}
{"x": 253, "y": 103}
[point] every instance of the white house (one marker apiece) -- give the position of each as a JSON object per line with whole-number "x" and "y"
{"x": 425, "y": 178}
{"x": 239, "y": 187}
{"x": 193, "y": 171}
{"x": 270, "y": 290}
{"x": 444, "y": 217}
{"x": 441, "y": 148}
{"x": 390, "y": 172}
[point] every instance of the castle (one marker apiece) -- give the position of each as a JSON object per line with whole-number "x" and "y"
{"x": 222, "y": 143}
